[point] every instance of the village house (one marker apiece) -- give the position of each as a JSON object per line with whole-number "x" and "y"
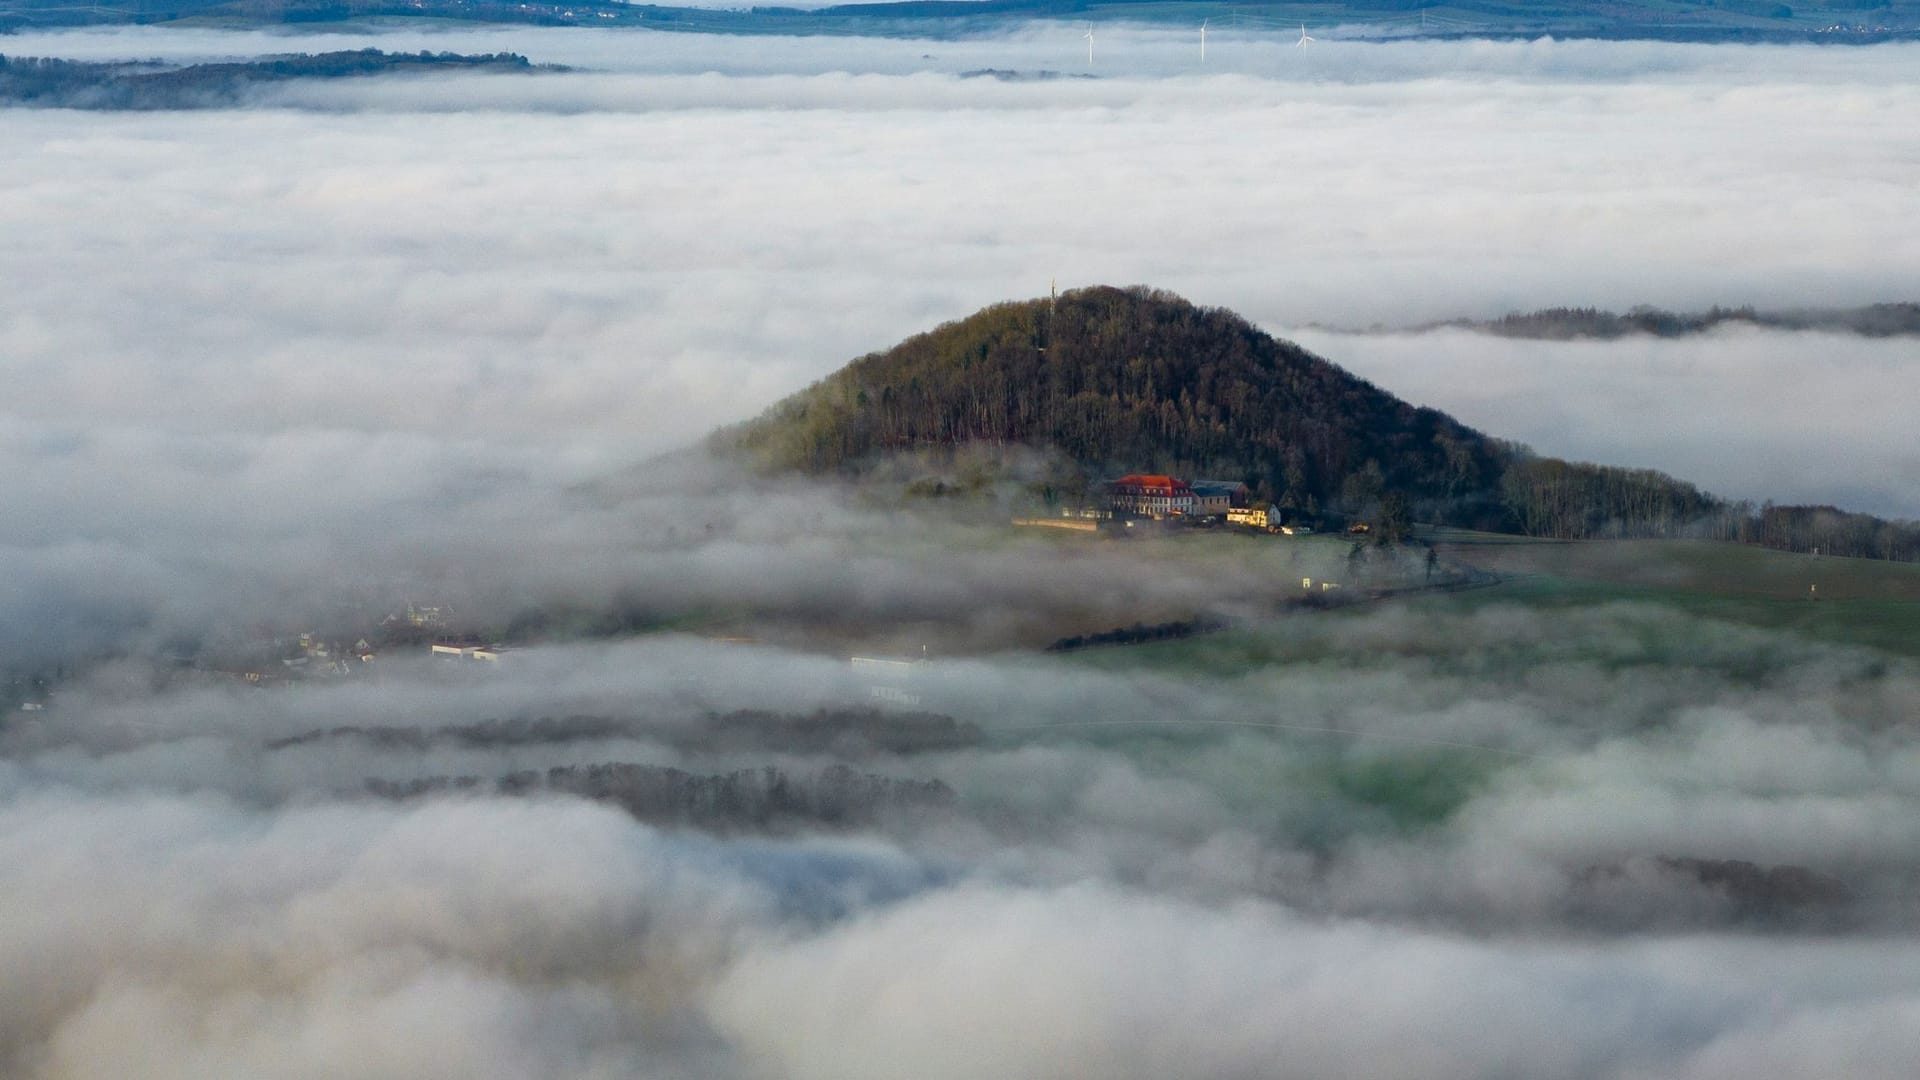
{"x": 1213, "y": 498}
{"x": 1254, "y": 517}
{"x": 425, "y": 615}
{"x": 889, "y": 678}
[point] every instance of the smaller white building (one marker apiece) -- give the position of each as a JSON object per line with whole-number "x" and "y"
{"x": 448, "y": 651}
{"x": 889, "y": 679}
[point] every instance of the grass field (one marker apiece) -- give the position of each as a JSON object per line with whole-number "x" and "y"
{"x": 1851, "y": 601}
{"x": 1890, "y": 624}
{"x": 1858, "y": 602}
{"x": 1720, "y": 569}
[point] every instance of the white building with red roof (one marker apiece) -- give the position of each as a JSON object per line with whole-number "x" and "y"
{"x": 1150, "y": 495}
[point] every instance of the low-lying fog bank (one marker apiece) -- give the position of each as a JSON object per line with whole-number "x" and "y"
{"x": 1616, "y": 842}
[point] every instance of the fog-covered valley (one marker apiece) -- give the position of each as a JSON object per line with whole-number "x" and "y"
{"x": 443, "y": 341}
{"x": 1455, "y": 828}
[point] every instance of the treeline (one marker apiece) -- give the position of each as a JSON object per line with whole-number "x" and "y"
{"x": 745, "y": 800}
{"x": 1735, "y": 891}
{"x": 1141, "y": 634}
{"x": 1827, "y": 530}
{"x": 1006, "y": 75}
{"x": 1579, "y": 501}
{"x": 844, "y": 732}
{"x": 69, "y": 84}
{"x": 1570, "y": 323}
{"x": 1138, "y": 380}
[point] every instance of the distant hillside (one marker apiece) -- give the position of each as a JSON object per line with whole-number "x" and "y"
{"x": 71, "y": 84}
{"x": 1136, "y": 380}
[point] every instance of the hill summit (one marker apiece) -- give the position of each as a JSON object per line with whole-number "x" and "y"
{"x": 1136, "y": 380}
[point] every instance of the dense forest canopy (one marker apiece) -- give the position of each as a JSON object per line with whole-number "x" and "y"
{"x": 1138, "y": 380}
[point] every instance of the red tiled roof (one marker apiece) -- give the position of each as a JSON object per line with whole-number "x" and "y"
{"x": 1154, "y": 484}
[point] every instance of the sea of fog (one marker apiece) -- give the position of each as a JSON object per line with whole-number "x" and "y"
{"x": 1471, "y": 844}
{"x": 368, "y": 335}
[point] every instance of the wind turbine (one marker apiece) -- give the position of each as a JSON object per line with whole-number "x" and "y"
{"x": 1302, "y": 43}
{"x": 1089, "y": 36}
{"x": 1203, "y": 40}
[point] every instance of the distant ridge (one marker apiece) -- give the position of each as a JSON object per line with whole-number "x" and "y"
{"x": 1569, "y": 323}
{"x": 1826, "y": 21}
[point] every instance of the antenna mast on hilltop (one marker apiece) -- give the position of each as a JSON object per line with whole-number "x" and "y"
{"x": 1053, "y": 304}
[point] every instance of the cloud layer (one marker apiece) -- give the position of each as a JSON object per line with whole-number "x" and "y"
{"x": 294, "y": 364}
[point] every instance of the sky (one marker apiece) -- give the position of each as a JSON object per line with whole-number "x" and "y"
{"x": 359, "y": 341}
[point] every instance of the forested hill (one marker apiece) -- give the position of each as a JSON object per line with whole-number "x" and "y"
{"x": 1136, "y": 380}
